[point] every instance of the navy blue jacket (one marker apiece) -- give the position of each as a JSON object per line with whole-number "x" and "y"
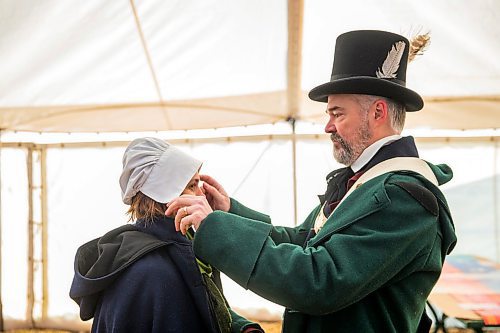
{"x": 143, "y": 279}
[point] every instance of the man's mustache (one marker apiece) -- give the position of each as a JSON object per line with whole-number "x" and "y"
{"x": 336, "y": 137}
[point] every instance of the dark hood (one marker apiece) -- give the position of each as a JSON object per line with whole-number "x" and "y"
{"x": 99, "y": 262}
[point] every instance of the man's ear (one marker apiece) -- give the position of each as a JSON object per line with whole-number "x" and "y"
{"x": 381, "y": 111}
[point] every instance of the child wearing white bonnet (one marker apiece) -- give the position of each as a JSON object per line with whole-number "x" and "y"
{"x": 157, "y": 169}
{"x": 133, "y": 279}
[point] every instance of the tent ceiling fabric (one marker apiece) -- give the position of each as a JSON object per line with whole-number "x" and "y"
{"x": 191, "y": 114}
{"x": 80, "y": 66}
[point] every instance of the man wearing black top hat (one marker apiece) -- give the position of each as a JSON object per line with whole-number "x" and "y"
{"x": 366, "y": 258}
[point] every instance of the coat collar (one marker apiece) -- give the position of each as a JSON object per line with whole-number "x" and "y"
{"x": 163, "y": 228}
{"x": 373, "y": 198}
{"x": 336, "y": 180}
{"x": 404, "y": 147}
{"x": 371, "y": 150}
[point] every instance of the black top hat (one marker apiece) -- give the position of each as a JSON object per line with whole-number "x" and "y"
{"x": 370, "y": 62}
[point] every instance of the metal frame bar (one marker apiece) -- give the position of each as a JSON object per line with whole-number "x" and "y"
{"x": 44, "y": 225}
{"x": 31, "y": 264}
{"x": 294, "y": 91}
{"x": 1, "y": 239}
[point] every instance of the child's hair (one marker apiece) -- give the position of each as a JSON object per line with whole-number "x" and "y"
{"x": 143, "y": 207}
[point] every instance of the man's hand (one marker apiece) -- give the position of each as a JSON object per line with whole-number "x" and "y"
{"x": 189, "y": 210}
{"x": 215, "y": 193}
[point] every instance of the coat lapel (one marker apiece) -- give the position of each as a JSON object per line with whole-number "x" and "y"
{"x": 367, "y": 199}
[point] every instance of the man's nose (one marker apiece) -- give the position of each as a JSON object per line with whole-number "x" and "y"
{"x": 330, "y": 127}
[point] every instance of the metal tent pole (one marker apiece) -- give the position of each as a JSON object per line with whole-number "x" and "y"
{"x": 44, "y": 222}
{"x": 294, "y": 170}
{"x": 31, "y": 274}
{"x": 294, "y": 70}
{"x": 496, "y": 211}
{"x": 1, "y": 241}
{"x": 149, "y": 59}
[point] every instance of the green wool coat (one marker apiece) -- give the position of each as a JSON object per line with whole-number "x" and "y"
{"x": 369, "y": 269}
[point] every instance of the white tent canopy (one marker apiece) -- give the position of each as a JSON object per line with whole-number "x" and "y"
{"x": 76, "y": 66}
{"x": 113, "y": 66}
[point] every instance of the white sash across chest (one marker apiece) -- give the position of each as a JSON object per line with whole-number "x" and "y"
{"x": 394, "y": 164}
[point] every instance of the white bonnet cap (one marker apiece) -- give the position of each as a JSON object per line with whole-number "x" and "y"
{"x": 157, "y": 169}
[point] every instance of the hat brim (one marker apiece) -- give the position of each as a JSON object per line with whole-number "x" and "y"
{"x": 368, "y": 86}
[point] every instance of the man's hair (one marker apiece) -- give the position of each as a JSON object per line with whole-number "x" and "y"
{"x": 143, "y": 207}
{"x": 396, "y": 110}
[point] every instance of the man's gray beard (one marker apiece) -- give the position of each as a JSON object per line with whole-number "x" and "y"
{"x": 350, "y": 152}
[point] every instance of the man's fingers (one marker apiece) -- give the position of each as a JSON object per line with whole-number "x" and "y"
{"x": 177, "y": 219}
{"x": 177, "y": 203}
{"x": 210, "y": 189}
{"x": 172, "y": 208}
{"x": 207, "y": 178}
{"x": 181, "y": 217}
{"x": 188, "y": 211}
{"x": 177, "y": 223}
{"x": 184, "y": 224}
{"x": 211, "y": 181}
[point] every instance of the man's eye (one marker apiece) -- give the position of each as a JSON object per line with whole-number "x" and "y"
{"x": 333, "y": 114}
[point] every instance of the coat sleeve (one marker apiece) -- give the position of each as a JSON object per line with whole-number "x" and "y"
{"x": 240, "y": 324}
{"x": 239, "y": 209}
{"x": 296, "y": 235}
{"x": 349, "y": 264}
